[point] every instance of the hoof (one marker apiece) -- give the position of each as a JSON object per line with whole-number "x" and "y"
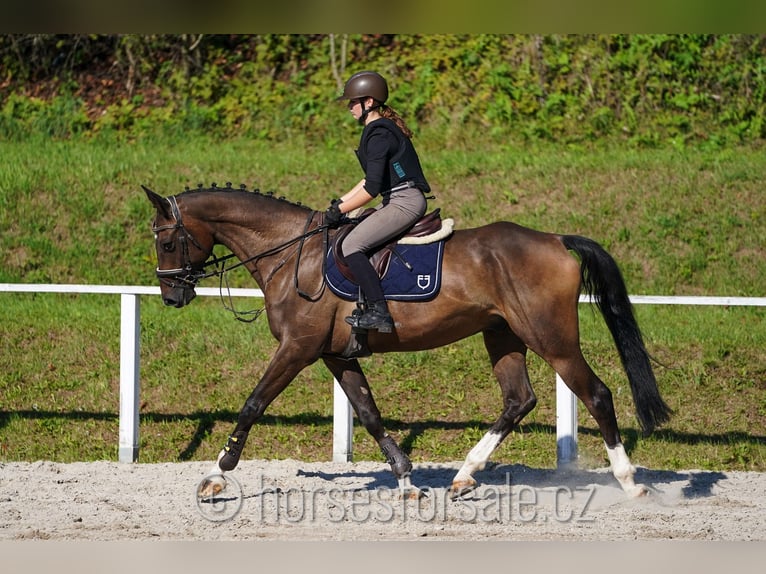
{"x": 461, "y": 488}
{"x": 408, "y": 491}
{"x": 411, "y": 493}
{"x": 211, "y": 486}
{"x": 638, "y": 491}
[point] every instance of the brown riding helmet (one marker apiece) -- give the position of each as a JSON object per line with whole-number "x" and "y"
{"x": 366, "y": 85}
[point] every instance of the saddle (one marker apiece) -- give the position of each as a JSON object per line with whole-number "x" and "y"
{"x": 427, "y": 229}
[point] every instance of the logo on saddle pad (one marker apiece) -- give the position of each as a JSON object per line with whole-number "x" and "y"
{"x": 424, "y": 281}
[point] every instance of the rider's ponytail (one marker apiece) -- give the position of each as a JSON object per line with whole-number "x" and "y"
{"x": 389, "y": 113}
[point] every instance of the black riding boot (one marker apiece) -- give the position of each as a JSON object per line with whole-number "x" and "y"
{"x": 376, "y": 316}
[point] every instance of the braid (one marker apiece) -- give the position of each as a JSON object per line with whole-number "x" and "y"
{"x": 389, "y": 113}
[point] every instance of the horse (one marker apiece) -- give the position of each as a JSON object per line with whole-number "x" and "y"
{"x": 517, "y": 286}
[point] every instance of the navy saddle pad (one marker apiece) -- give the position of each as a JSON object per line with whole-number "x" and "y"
{"x": 421, "y": 283}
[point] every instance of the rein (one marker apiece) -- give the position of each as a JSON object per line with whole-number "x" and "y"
{"x": 300, "y": 239}
{"x": 188, "y": 276}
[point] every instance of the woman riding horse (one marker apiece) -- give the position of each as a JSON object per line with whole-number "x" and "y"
{"x": 392, "y": 170}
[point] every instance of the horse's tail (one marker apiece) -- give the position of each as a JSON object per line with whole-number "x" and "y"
{"x": 602, "y": 280}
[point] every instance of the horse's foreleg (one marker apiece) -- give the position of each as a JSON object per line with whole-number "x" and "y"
{"x": 508, "y": 356}
{"x": 353, "y": 382}
{"x": 285, "y": 365}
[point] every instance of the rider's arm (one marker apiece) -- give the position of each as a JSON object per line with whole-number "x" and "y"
{"x": 355, "y": 198}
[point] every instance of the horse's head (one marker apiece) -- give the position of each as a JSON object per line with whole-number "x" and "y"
{"x": 181, "y": 251}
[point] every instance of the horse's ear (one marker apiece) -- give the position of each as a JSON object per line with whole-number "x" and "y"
{"x": 157, "y": 200}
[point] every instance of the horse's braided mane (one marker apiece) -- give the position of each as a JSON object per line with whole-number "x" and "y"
{"x": 242, "y": 187}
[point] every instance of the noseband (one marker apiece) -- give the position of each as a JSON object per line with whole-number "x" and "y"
{"x": 186, "y": 276}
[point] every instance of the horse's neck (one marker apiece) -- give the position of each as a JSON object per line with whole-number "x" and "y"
{"x": 250, "y": 226}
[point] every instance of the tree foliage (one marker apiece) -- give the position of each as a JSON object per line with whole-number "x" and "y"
{"x": 646, "y": 89}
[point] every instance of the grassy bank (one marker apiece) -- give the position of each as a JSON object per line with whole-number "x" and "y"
{"x": 679, "y": 221}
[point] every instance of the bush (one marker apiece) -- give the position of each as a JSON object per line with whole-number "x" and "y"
{"x": 645, "y": 89}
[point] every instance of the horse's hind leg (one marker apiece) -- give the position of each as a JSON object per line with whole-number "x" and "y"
{"x": 508, "y": 355}
{"x": 353, "y": 382}
{"x": 597, "y": 398}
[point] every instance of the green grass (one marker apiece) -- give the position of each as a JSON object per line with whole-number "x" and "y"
{"x": 677, "y": 221}
{"x": 198, "y": 365}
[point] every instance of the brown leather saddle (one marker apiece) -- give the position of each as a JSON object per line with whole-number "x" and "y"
{"x": 381, "y": 257}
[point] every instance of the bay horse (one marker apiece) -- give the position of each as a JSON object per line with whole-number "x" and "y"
{"x": 516, "y": 286}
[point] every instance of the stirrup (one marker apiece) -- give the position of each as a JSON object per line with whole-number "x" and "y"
{"x": 353, "y": 319}
{"x": 384, "y": 323}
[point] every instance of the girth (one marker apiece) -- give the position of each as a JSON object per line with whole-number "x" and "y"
{"x": 380, "y": 258}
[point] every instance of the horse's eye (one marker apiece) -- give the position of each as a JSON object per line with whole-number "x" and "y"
{"x": 169, "y": 247}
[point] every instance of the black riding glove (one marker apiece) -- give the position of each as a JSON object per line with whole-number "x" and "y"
{"x": 332, "y": 215}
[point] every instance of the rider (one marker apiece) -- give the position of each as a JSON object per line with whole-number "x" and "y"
{"x": 391, "y": 170}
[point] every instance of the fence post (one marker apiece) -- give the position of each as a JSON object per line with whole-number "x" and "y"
{"x": 566, "y": 424}
{"x": 130, "y": 330}
{"x": 342, "y": 425}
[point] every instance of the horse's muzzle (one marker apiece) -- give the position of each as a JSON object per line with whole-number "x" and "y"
{"x": 178, "y": 297}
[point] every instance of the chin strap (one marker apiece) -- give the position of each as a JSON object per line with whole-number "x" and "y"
{"x": 366, "y": 111}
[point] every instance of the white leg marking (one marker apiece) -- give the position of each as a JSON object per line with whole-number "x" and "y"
{"x": 216, "y": 469}
{"x": 623, "y": 470}
{"x": 478, "y": 457}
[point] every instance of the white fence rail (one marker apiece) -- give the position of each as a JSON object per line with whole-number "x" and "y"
{"x": 130, "y": 327}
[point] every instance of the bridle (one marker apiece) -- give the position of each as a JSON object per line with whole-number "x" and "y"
{"x": 189, "y": 275}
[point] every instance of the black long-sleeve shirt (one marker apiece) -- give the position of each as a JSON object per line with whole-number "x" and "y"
{"x": 388, "y": 158}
